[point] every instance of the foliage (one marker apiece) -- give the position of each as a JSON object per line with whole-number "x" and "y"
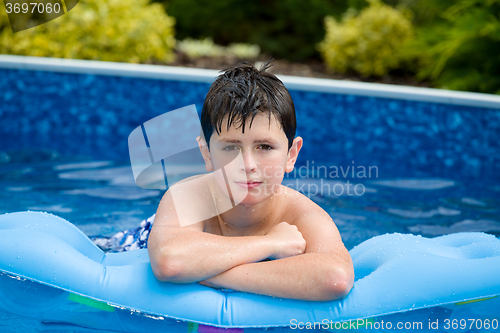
{"x": 368, "y": 43}
{"x": 109, "y": 30}
{"x": 4, "y": 20}
{"x": 426, "y": 12}
{"x": 463, "y": 51}
{"x": 285, "y": 29}
{"x": 244, "y": 51}
{"x": 194, "y": 48}
{"x": 206, "y": 48}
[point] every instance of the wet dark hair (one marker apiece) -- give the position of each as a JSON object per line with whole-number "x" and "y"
{"x": 242, "y": 92}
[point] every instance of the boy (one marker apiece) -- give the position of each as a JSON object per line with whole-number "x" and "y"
{"x": 248, "y": 123}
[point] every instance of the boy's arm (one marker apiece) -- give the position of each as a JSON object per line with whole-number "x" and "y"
{"x": 310, "y": 277}
{"x": 187, "y": 254}
{"x": 324, "y": 272}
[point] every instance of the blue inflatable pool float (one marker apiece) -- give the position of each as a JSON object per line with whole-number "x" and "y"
{"x": 52, "y": 272}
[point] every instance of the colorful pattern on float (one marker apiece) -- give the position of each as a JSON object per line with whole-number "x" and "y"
{"x": 52, "y": 272}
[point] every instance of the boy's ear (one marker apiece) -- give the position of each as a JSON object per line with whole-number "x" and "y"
{"x": 202, "y": 144}
{"x": 293, "y": 153}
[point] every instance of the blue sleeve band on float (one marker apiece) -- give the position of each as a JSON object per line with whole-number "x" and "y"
{"x": 394, "y": 273}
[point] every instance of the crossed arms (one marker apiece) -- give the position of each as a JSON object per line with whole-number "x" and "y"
{"x": 312, "y": 262}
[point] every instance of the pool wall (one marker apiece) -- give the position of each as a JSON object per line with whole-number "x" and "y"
{"x": 89, "y": 108}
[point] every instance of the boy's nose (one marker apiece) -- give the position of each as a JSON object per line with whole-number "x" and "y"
{"x": 249, "y": 163}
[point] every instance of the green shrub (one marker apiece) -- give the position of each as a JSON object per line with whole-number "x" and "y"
{"x": 463, "y": 52}
{"x": 109, "y": 30}
{"x": 194, "y": 48}
{"x": 368, "y": 43}
{"x": 4, "y": 19}
{"x": 426, "y": 11}
{"x": 285, "y": 29}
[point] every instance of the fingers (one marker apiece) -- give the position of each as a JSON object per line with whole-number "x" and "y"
{"x": 288, "y": 240}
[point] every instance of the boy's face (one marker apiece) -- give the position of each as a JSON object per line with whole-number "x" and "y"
{"x": 254, "y": 162}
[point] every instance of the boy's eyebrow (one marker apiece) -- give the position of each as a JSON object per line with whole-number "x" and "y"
{"x": 265, "y": 140}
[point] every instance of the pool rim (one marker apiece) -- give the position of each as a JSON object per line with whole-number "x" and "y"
{"x": 93, "y": 67}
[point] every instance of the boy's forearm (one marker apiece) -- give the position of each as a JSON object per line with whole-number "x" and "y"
{"x": 311, "y": 276}
{"x": 193, "y": 256}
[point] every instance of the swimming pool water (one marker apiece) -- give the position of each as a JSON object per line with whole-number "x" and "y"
{"x": 101, "y": 198}
{"x": 63, "y": 150}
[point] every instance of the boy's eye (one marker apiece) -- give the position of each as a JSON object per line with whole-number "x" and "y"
{"x": 265, "y": 147}
{"x": 230, "y": 148}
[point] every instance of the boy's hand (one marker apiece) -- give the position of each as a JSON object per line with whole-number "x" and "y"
{"x": 287, "y": 239}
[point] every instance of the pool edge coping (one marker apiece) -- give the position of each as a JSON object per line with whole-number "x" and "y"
{"x": 291, "y": 82}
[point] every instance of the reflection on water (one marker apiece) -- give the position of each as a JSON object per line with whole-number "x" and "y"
{"x": 101, "y": 198}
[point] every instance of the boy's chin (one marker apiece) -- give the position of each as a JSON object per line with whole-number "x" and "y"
{"x": 248, "y": 203}
{"x": 252, "y": 198}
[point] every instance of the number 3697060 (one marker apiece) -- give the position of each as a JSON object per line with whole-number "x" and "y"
{"x": 32, "y": 7}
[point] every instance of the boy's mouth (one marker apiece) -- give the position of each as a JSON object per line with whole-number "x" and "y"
{"x": 248, "y": 184}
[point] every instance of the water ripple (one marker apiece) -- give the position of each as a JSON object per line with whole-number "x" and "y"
{"x": 422, "y": 214}
{"x": 463, "y": 226}
{"x": 416, "y": 184}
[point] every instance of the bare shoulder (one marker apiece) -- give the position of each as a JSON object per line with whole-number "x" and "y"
{"x": 300, "y": 208}
{"x": 186, "y": 204}
{"x": 316, "y": 226}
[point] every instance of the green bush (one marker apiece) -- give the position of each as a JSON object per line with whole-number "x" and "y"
{"x": 4, "y": 20}
{"x": 369, "y": 42}
{"x": 463, "y": 51}
{"x": 194, "y": 49}
{"x": 285, "y": 29}
{"x": 110, "y": 30}
{"x": 425, "y": 11}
